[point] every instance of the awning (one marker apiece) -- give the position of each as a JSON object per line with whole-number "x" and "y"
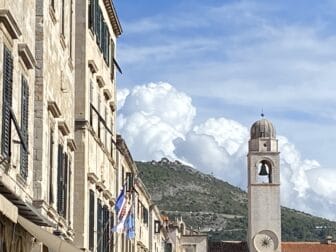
{"x": 25, "y": 209}
{"x": 53, "y": 242}
{"x": 8, "y": 209}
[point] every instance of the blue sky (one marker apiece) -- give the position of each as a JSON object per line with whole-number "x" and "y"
{"x": 233, "y": 58}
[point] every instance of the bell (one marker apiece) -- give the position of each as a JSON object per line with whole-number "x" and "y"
{"x": 263, "y": 170}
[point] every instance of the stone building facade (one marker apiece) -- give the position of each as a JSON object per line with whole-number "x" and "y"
{"x": 53, "y": 118}
{"x": 97, "y": 28}
{"x": 62, "y": 165}
{"x": 17, "y": 77}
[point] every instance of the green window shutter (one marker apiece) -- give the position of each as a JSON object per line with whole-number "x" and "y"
{"x": 51, "y": 160}
{"x": 65, "y": 186}
{"x": 91, "y": 15}
{"x": 24, "y": 127}
{"x": 60, "y": 181}
{"x": 106, "y": 228}
{"x": 7, "y": 103}
{"x": 91, "y": 220}
{"x": 99, "y": 226}
{"x": 98, "y": 24}
{"x": 102, "y": 39}
{"x": 111, "y": 235}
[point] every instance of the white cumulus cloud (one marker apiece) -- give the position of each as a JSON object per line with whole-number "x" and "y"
{"x": 152, "y": 117}
{"x": 157, "y": 120}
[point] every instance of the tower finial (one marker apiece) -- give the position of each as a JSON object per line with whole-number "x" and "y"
{"x": 262, "y": 112}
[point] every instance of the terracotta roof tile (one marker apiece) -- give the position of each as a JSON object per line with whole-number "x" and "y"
{"x": 307, "y": 247}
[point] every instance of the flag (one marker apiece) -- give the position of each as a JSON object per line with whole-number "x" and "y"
{"x": 130, "y": 223}
{"x": 121, "y": 204}
{"x": 122, "y": 211}
{"x": 130, "y": 226}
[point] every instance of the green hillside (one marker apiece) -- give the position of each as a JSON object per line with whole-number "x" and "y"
{"x": 216, "y": 207}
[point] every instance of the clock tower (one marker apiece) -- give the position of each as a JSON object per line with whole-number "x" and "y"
{"x": 264, "y": 216}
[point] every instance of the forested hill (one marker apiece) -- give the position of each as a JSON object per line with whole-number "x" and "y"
{"x": 216, "y": 207}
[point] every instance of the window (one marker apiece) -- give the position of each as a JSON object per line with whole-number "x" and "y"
{"x": 52, "y": 4}
{"x": 129, "y": 181}
{"x": 112, "y": 142}
{"x": 98, "y": 112}
{"x": 51, "y": 160}
{"x": 145, "y": 215}
{"x": 70, "y": 35}
{"x": 100, "y": 226}
{"x": 97, "y": 22}
{"x": 105, "y": 132}
{"x": 99, "y": 28}
{"x": 62, "y": 19}
{"x": 112, "y": 59}
{"x": 62, "y": 182}
{"x": 157, "y": 227}
{"x": 91, "y": 14}
{"x": 111, "y": 235}
{"x": 24, "y": 128}
{"x": 91, "y": 220}
{"x": 7, "y": 103}
{"x": 106, "y": 229}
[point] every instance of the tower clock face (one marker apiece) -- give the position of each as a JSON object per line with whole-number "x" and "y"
{"x": 265, "y": 241}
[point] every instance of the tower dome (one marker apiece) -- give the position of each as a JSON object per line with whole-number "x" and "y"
{"x": 262, "y": 128}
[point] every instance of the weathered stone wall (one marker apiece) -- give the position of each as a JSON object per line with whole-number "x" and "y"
{"x": 95, "y": 158}
{"x": 24, "y": 25}
{"x": 54, "y": 103}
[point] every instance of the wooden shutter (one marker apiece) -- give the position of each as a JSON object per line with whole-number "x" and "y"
{"x": 24, "y": 127}
{"x": 145, "y": 215}
{"x": 106, "y": 227}
{"x": 91, "y": 220}
{"x": 129, "y": 181}
{"x": 111, "y": 234}
{"x": 112, "y": 57}
{"x": 91, "y": 14}
{"x": 102, "y": 39}
{"x": 65, "y": 185}
{"x": 60, "y": 181}
{"x": 69, "y": 188}
{"x": 62, "y": 18}
{"x": 99, "y": 226}
{"x": 51, "y": 160}
{"x": 98, "y": 22}
{"x": 7, "y": 103}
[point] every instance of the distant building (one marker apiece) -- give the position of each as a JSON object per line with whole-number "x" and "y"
{"x": 183, "y": 239}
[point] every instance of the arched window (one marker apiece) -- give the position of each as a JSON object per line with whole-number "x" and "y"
{"x": 264, "y": 172}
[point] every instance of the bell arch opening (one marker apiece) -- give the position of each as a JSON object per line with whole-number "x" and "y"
{"x": 264, "y": 172}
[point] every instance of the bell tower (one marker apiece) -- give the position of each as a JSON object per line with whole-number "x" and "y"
{"x": 264, "y": 216}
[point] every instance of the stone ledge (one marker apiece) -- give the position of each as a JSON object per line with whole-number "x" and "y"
{"x": 113, "y": 106}
{"x": 107, "y": 93}
{"x": 93, "y": 67}
{"x": 100, "y": 81}
{"x": 92, "y": 177}
{"x": 10, "y": 24}
{"x": 63, "y": 127}
{"x": 71, "y": 144}
{"x": 26, "y": 55}
{"x": 54, "y": 109}
{"x": 100, "y": 186}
